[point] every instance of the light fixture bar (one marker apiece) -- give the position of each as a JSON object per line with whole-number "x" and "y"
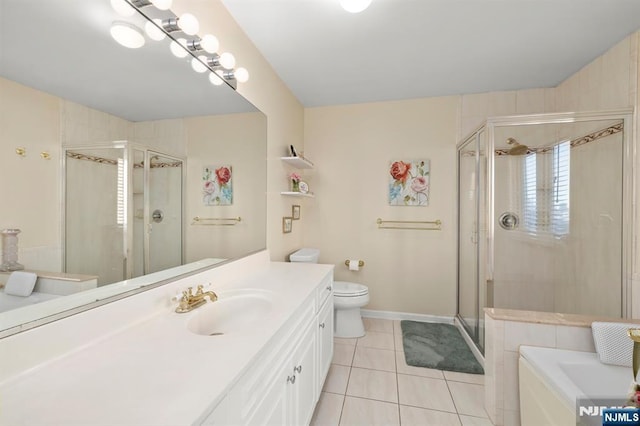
{"x": 194, "y": 46}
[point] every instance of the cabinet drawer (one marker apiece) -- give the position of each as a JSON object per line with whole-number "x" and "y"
{"x": 324, "y": 290}
{"x": 248, "y": 393}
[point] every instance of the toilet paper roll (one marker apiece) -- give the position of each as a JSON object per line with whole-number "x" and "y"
{"x": 354, "y": 265}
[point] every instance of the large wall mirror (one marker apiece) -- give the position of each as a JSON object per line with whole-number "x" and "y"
{"x": 117, "y": 163}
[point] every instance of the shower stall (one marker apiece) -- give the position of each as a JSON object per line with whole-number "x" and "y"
{"x": 544, "y": 216}
{"x": 123, "y": 211}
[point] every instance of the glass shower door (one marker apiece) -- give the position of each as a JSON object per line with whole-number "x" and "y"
{"x": 468, "y": 235}
{"x": 95, "y": 213}
{"x": 164, "y": 223}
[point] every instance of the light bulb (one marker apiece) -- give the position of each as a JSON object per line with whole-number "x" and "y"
{"x": 153, "y": 31}
{"x": 355, "y": 6}
{"x": 210, "y": 43}
{"x": 177, "y": 49}
{"x": 188, "y": 24}
{"x": 197, "y": 65}
{"x": 162, "y": 4}
{"x": 241, "y": 74}
{"x": 127, "y": 35}
{"x": 215, "y": 79}
{"x": 227, "y": 60}
{"x": 122, "y": 8}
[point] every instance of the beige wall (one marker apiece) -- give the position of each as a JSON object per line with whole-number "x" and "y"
{"x": 30, "y": 185}
{"x": 239, "y": 141}
{"x": 406, "y": 271}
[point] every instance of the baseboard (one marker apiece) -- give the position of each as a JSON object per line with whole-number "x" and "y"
{"x": 391, "y": 315}
{"x": 470, "y": 342}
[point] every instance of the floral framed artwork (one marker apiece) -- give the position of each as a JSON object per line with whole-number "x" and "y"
{"x": 295, "y": 212}
{"x": 409, "y": 183}
{"x": 217, "y": 185}
{"x": 287, "y": 224}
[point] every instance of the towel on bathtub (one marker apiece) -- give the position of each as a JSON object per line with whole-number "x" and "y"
{"x": 20, "y": 283}
{"x": 613, "y": 345}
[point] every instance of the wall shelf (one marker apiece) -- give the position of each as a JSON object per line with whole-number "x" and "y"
{"x": 297, "y": 194}
{"x": 298, "y": 162}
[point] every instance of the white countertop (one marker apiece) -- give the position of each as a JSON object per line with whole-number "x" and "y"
{"x": 156, "y": 372}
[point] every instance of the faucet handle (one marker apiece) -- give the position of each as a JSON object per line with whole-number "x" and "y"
{"x": 189, "y": 291}
{"x": 200, "y": 290}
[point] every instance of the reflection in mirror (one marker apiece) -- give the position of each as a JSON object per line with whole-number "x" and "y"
{"x": 129, "y": 133}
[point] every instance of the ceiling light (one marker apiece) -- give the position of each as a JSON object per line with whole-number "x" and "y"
{"x": 178, "y": 49}
{"x": 153, "y": 31}
{"x": 227, "y": 60}
{"x": 197, "y": 64}
{"x": 210, "y": 43}
{"x": 241, "y": 74}
{"x": 127, "y": 34}
{"x": 355, "y": 6}
{"x": 215, "y": 79}
{"x": 122, "y": 8}
{"x": 188, "y": 24}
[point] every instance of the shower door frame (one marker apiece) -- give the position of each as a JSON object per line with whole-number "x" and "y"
{"x": 629, "y": 190}
{"x": 127, "y": 241}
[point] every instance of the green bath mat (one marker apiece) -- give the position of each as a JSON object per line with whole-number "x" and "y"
{"x": 439, "y": 346}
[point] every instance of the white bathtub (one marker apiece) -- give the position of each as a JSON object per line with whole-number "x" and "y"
{"x": 552, "y": 380}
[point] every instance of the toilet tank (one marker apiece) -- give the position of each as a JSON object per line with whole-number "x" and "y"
{"x": 305, "y": 255}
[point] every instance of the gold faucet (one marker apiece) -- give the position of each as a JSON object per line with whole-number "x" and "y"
{"x": 190, "y": 301}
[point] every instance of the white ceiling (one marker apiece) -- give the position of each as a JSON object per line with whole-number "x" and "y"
{"x": 398, "y": 49}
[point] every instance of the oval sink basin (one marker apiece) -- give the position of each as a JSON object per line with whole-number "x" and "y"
{"x": 231, "y": 314}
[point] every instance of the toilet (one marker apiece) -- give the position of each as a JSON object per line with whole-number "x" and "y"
{"x": 348, "y": 298}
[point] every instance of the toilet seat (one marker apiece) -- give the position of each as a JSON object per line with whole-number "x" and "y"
{"x": 347, "y": 289}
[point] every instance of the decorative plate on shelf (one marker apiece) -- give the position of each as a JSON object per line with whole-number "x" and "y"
{"x": 304, "y": 188}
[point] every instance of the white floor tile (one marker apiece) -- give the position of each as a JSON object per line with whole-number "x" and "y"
{"x": 397, "y": 329}
{"x": 343, "y": 354}
{"x": 328, "y": 410}
{"x": 337, "y": 379}
{"x": 474, "y": 421}
{"x": 374, "y": 339}
{"x": 397, "y": 341}
{"x": 413, "y": 416}
{"x": 469, "y": 398}
{"x": 376, "y": 359}
{"x": 373, "y": 384}
{"x": 365, "y": 412}
{"x": 377, "y": 324}
{"x": 455, "y": 376}
{"x": 425, "y": 392}
{"x": 345, "y": 341}
{"x": 403, "y": 368}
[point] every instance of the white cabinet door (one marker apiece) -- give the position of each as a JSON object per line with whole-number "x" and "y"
{"x": 302, "y": 393}
{"x": 273, "y": 409}
{"x": 325, "y": 341}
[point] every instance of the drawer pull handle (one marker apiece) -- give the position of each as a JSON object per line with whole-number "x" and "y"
{"x": 321, "y": 325}
{"x": 329, "y": 287}
{"x": 297, "y": 369}
{"x": 291, "y": 379}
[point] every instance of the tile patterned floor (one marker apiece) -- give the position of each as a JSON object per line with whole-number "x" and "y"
{"x": 369, "y": 383}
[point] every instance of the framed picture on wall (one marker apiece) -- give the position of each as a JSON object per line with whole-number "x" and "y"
{"x": 409, "y": 183}
{"x": 287, "y": 224}
{"x": 295, "y": 212}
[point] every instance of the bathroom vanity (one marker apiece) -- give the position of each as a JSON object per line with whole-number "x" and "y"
{"x": 258, "y": 355}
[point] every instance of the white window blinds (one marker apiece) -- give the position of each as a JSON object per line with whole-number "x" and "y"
{"x": 546, "y": 186}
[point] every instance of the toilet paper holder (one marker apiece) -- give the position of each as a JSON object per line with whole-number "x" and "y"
{"x": 360, "y": 263}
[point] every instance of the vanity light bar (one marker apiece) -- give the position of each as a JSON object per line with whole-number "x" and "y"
{"x": 221, "y": 65}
